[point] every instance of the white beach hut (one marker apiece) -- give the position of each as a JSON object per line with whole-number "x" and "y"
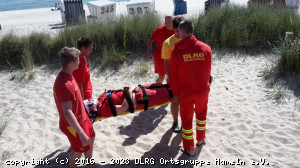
{"x": 137, "y": 7}
{"x": 103, "y": 10}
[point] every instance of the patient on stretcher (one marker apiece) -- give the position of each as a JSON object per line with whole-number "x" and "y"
{"x": 128, "y": 100}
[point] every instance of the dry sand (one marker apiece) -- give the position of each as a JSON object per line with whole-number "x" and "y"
{"x": 245, "y": 121}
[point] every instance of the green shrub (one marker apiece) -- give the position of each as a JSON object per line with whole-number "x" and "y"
{"x": 289, "y": 61}
{"x": 111, "y": 57}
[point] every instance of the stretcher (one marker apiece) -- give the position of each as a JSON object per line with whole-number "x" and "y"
{"x": 147, "y": 97}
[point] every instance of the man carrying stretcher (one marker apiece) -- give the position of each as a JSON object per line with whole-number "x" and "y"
{"x": 128, "y": 100}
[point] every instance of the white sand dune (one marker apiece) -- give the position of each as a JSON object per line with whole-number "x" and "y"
{"x": 245, "y": 121}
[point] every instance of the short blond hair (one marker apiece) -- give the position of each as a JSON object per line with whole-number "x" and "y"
{"x": 66, "y": 55}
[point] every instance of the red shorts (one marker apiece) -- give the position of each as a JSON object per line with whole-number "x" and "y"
{"x": 159, "y": 67}
{"x": 75, "y": 139}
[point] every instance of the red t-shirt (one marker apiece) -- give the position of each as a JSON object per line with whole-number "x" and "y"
{"x": 159, "y": 36}
{"x": 82, "y": 75}
{"x": 190, "y": 67}
{"x": 66, "y": 89}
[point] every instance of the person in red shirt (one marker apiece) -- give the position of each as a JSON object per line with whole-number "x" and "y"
{"x": 159, "y": 36}
{"x": 190, "y": 72}
{"x": 82, "y": 74}
{"x": 73, "y": 120}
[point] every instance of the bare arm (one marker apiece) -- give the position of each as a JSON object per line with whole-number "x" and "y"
{"x": 124, "y": 106}
{"x": 149, "y": 48}
{"x": 81, "y": 90}
{"x": 70, "y": 117}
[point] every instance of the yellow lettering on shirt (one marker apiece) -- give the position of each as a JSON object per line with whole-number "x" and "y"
{"x": 193, "y": 57}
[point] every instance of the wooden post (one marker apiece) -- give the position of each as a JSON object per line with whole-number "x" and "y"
{"x": 289, "y": 36}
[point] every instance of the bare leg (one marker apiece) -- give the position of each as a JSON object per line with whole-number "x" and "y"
{"x": 89, "y": 154}
{"x": 175, "y": 111}
{"x": 73, "y": 155}
{"x": 160, "y": 79}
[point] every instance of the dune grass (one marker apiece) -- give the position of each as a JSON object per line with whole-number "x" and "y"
{"x": 246, "y": 28}
{"x": 289, "y": 62}
{"x": 235, "y": 27}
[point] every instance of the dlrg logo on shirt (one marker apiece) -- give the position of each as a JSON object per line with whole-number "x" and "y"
{"x": 193, "y": 57}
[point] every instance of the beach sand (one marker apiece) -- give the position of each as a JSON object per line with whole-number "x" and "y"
{"x": 244, "y": 120}
{"x": 246, "y": 123}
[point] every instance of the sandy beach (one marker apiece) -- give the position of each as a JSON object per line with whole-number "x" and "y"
{"x": 247, "y": 125}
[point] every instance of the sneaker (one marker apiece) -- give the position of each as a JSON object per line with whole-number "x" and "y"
{"x": 176, "y": 127}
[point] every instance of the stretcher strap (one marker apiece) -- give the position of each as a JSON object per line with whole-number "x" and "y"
{"x": 128, "y": 99}
{"x": 165, "y": 85}
{"x": 111, "y": 104}
{"x": 145, "y": 102}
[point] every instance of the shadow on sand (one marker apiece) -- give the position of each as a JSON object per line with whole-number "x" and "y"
{"x": 56, "y": 159}
{"x": 143, "y": 124}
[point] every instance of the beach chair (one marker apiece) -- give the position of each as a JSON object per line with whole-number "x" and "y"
{"x": 72, "y": 11}
{"x": 137, "y": 7}
{"x": 210, "y": 4}
{"x": 179, "y": 7}
{"x": 102, "y": 10}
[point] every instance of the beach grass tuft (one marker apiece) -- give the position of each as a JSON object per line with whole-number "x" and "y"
{"x": 142, "y": 68}
{"x": 289, "y": 62}
{"x": 246, "y": 28}
{"x": 3, "y": 125}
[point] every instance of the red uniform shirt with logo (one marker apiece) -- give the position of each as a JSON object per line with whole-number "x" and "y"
{"x": 82, "y": 75}
{"x": 190, "y": 67}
